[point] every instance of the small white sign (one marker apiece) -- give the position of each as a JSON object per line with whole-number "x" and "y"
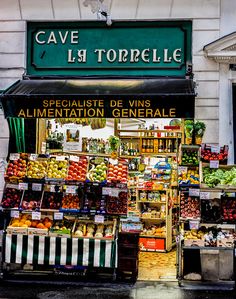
{"x": 36, "y": 187}
{"x": 194, "y": 192}
{"x": 115, "y": 192}
{"x": 113, "y": 161}
{"x": 214, "y": 163}
{"x": 33, "y": 157}
{"x": 23, "y": 186}
{"x": 36, "y": 215}
{"x": 58, "y": 216}
{"x": 204, "y": 195}
{"x": 215, "y": 149}
{"x": 52, "y": 188}
{"x": 14, "y": 156}
{"x": 99, "y": 219}
{"x": 12, "y": 186}
{"x": 182, "y": 169}
{"x": 74, "y": 158}
{"x": 71, "y": 189}
{"x": 106, "y": 191}
{"x": 60, "y": 158}
{"x": 15, "y": 214}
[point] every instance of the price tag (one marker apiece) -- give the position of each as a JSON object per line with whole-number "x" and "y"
{"x": 99, "y": 219}
{"x": 106, "y": 191}
{"x": 33, "y": 157}
{"x": 74, "y": 158}
{"x": 115, "y": 192}
{"x": 12, "y": 186}
{"x": 15, "y": 214}
{"x": 52, "y": 188}
{"x": 215, "y": 149}
{"x": 71, "y": 189}
{"x": 194, "y": 192}
{"x": 113, "y": 161}
{"x": 60, "y": 158}
{"x": 182, "y": 169}
{"x": 23, "y": 186}
{"x": 214, "y": 163}
{"x": 14, "y": 156}
{"x": 36, "y": 187}
{"x": 36, "y": 215}
{"x": 58, "y": 216}
{"x": 204, "y": 195}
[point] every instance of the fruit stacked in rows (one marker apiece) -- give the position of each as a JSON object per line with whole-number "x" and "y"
{"x": 62, "y": 227}
{"x": 77, "y": 170}
{"x": 97, "y": 172}
{"x": 117, "y": 173}
{"x": 26, "y": 221}
{"x": 17, "y": 168}
{"x": 71, "y": 201}
{"x": 52, "y": 200}
{"x": 189, "y": 157}
{"x": 189, "y": 177}
{"x": 11, "y": 198}
{"x": 118, "y": 205}
{"x": 31, "y": 200}
{"x": 229, "y": 209}
{"x": 37, "y": 169}
{"x": 189, "y": 206}
{"x": 57, "y": 169}
{"x": 207, "y": 154}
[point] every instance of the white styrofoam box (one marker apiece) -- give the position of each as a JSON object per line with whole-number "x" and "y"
{"x": 6, "y": 82}
{"x": 207, "y": 112}
{"x": 3, "y": 147}
{"x": 202, "y": 38}
{"x": 12, "y": 73}
{"x": 208, "y": 76}
{"x": 196, "y": 9}
{"x": 207, "y": 89}
{"x": 6, "y": 26}
{"x": 154, "y": 9}
{"x": 206, "y": 24}
{"x": 12, "y": 42}
{"x": 66, "y": 10}
{"x": 118, "y": 11}
{"x": 212, "y": 131}
{"x": 36, "y": 10}
{"x": 206, "y": 102}
{"x": 12, "y": 60}
{"x": 201, "y": 63}
{"x": 4, "y": 130}
{"x": 9, "y": 10}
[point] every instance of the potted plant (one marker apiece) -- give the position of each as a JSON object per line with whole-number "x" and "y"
{"x": 114, "y": 143}
{"x": 199, "y": 130}
{"x": 188, "y": 130}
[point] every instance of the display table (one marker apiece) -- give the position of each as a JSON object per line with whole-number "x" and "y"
{"x": 45, "y": 250}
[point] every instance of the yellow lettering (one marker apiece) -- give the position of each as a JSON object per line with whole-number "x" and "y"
{"x": 45, "y": 103}
{"x": 21, "y": 113}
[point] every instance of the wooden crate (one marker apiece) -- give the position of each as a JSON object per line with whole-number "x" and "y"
{"x": 17, "y": 230}
{"x": 37, "y": 231}
{"x": 226, "y": 242}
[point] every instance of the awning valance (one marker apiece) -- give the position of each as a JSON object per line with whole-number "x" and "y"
{"x": 165, "y": 97}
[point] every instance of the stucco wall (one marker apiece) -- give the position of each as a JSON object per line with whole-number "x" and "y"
{"x": 205, "y": 14}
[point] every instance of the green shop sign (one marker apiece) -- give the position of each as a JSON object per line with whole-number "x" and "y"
{"x": 93, "y": 48}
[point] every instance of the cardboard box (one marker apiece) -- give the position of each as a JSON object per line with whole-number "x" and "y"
{"x": 17, "y": 230}
{"x": 226, "y": 242}
{"x": 194, "y": 243}
{"x": 37, "y": 231}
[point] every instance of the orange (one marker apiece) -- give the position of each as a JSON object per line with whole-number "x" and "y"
{"x": 28, "y": 223}
{"x": 48, "y": 224}
{"x": 40, "y": 225}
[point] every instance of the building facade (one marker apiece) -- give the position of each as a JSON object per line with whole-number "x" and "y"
{"x": 213, "y": 24}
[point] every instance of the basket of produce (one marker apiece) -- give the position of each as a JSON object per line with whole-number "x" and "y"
{"x": 37, "y": 168}
{"x": 223, "y": 177}
{"x": 31, "y": 200}
{"x": 117, "y": 172}
{"x": 117, "y": 202}
{"x": 189, "y": 155}
{"x": 57, "y": 168}
{"x": 16, "y": 168}
{"x": 51, "y": 200}
{"x": 209, "y": 153}
{"x": 77, "y": 169}
{"x": 11, "y": 197}
{"x": 97, "y": 170}
{"x": 61, "y": 228}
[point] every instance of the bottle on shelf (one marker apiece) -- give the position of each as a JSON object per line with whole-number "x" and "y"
{"x": 160, "y": 147}
{"x": 155, "y": 145}
{"x": 144, "y": 146}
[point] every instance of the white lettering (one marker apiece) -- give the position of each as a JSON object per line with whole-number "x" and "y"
{"x": 63, "y": 37}
{"x": 111, "y": 55}
{"x": 37, "y": 37}
{"x": 74, "y": 38}
{"x": 52, "y": 38}
{"x": 82, "y": 55}
{"x": 155, "y": 57}
{"x": 99, "y": 51}
{"x": 145, "y": 55}
{"x": 177, "y": 55}
{"x": 123, "y": 53}
{"x": 70, "y": 57}
{"x": 166, "y": 58}
{"x": 134, "y": 55}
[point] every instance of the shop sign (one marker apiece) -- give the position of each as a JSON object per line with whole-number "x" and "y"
{"x": 104, "y": 106}
{"x": 91, "y": 48}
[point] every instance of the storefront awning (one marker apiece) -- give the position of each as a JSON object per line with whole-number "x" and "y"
{"x": 159, "y": 98}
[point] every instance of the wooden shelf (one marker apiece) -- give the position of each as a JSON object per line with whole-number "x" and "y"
{"x": 152, "y": 236}
{"x": 143, "y": 218}
{"x": 157, "y": 131}
{"x": 149, "y": 201}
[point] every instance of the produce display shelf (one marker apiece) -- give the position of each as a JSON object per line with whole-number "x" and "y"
{"x": 159, "y": 154}
{"x": 129, "y": 157}
{"x": 189, "y": 218}
{"x": 204, "y": 187}
{"x": 150, "y": 189}
{"x": 189, "y": 185}
{"x": 88, "y": 154}
{"x": 49, "y": 210}
{"x": 149, "y": 201}
{"x": 147, "y": 131}
{"x": 208, "y": 248}
{"x": 144, "y": 218}
{"x": 152, "y": 236}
